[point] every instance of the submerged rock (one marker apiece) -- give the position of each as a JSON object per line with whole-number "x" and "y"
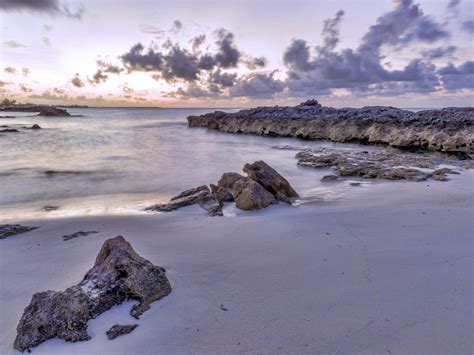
{"x": 250, "y": 195}
{"x": 118, "y": 274}
{"x": 199, "y": 195}
{"x": 118, "y": 330}
{"x": 379, "y": 164}
{"x": 271, "y": 180}
{"x": 8, "y": 230}
{"x": 35, "y": 126}
{"x": 78, "y": 234}
{"x": 447, "y": 130}
{"x": 9, "y": 130}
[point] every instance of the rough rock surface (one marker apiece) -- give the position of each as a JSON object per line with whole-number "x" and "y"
{"x": 250, "y": 195}
{"x": 8, "y": 230}
{"x": 118, "y": 274}
{"x": 200, "y": 195}
{"x": 78, "y": 234}
{"x": 271, "y": 180}
{"x": 380, "y": 164}
{"x": 448, "y": 129}
{"x": 118, "y": 330}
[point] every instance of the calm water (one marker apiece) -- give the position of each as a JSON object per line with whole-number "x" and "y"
{"x": 124, "y": 159}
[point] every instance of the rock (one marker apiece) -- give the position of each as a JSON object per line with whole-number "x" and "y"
{"x": 9, "y": 130}
{"x": 390, "y": 164}
{"x": 329, "y": 177}
{"x": 78, "y": 234}
{"x": 448, "y": 130}
{"x": 441, "y": 174}
{"x": 8, "y": 230}
{"x": 200, "y": 195}
{"x": 223, "y": 194}
{"x": 271, "y": 180}
{"x": 52, "y": 111}
{"x": 355, "y": 184}
{"x": 118, "y": 274}
{"x": 118, "y": 330}
{"x": 50, "y": 208}
{"x": 250, "y": 195}
{"x": 35, "y": 126}
{"x": 229, "y": 179}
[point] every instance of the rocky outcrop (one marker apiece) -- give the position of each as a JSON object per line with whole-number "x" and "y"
{"x": 250, "y": 195}
{"x": 118, "y": 330}
{"x": 378, "y": 164}
{"x": 9, "y": 230}
{"x": 262, "y": 187}
{"x": 118, "y": 274}
{"x": 271, "y": 180}
{"x": 9, "y": 130}
{"x": 447, "y": 130}
{"x": 199, "y": 195}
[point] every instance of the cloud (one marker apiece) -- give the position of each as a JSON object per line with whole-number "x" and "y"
{"x": 25, "y": 88}
{"x": 77, "y": 81}
{"x": 4, "y": 83}
{"x": 108, "y": 67}
{"x": 257, "y": 85}
{"x": 127, "y": 89}
{"x": 52, "y": 7}
{"x": 48, "y": 28}
{"x": 151, "y": 30}
{"x": 455, "y": 78}
{"x": 98, "y": 77}
{"x": 58, "y": 91}
{"x": 9, "y": 70}
{"x": 25, "y": 71}
{"x": 177, "y": 26}
{"x": 361, "y": 69}
{"x": 439, "y": 52}
{"x": 468, "y": 26}
{"x": 46, "y": 41}
{"x": 13, "y": 44}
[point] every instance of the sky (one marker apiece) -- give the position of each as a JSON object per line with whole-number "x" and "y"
{"x": 237, "y": 53}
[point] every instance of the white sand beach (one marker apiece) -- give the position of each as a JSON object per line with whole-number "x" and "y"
{"x": 386, "y": 270}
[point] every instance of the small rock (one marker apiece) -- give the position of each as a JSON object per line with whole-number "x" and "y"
{"x": 118, "y": 330}
{"x": 223, "y": 308}
{"x": 78, "y": 234}
{"x": 51, "y": 208}
{"x": 8, "y": 230}
{"x": 8, "y": 130}
{"x": 52, "y": 111}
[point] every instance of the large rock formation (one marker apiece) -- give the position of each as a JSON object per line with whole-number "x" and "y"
{"x": 447, "y": 130}
{"x": 119, "y": 274}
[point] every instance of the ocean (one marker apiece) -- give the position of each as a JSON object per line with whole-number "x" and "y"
{"x": 114, "y": 160}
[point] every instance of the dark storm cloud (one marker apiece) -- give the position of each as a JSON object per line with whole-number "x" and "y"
{"x": 175, "y": 63}
{"x": 361, "y": 69}
{"x": 53, "y": 7}
{"x": 458, "y": 77}
{"x": 257, "y": 85}
{"x": 77, "y": 81}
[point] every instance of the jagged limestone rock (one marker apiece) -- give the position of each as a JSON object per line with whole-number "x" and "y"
{"x": 118, "y": 274}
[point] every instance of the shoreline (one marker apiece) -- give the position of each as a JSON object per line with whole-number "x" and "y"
{"x": 360, "y": 276}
